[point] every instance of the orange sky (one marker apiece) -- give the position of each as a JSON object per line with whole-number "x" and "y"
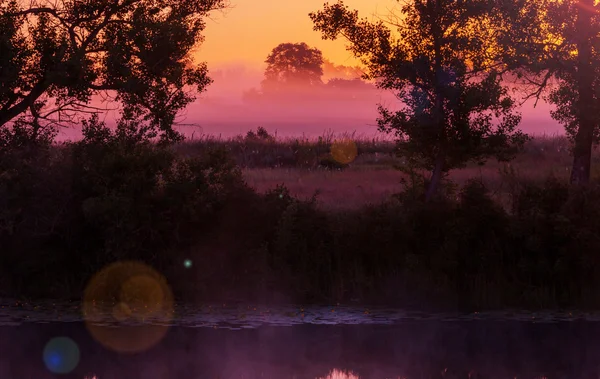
{"x": 251, "y": 28}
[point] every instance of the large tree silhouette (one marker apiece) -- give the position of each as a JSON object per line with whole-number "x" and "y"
{"x": 293, "y": 65}
{"x": 440, "y": 64}
{"x": 560, "y": 39}
{"x": 55, "y": 55}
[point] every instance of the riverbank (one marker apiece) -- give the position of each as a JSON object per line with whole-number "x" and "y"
{"x": 196, "y": 219}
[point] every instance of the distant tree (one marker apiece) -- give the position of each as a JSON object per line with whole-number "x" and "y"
{"x": 349, "y": 89}
{"x": 54, "y": 56}
{"x": 549, "y": 40}
{"x": 356, "y": 84}
{"x": 439, "y": 65}
{"x": 261, "y": 134}
{"x": 251, "y": 95}
{"x": 332, "y": 70}
{"x": 293, "y": 65}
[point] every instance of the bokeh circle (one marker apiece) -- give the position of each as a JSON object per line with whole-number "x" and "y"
{"x": 61, "y": 355}
{"x": 128, "y": 306}
{"x": 344, "y": 151}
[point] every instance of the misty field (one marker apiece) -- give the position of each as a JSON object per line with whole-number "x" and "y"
{"x": 302, "y": 165}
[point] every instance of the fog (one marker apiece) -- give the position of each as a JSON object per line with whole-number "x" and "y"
{"x": 224, "y": 109}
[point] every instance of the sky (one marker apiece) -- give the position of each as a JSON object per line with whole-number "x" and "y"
{"x": 237, "y": 42}
{"x": 249, "y": 29}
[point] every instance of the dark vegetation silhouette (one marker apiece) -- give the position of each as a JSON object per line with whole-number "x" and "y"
{"x": 56, "y": 56}
{"x": 67, "y": 210}
{"x": 439, "y": 67}
{"x": 332, "y": 70}
{"x": 552, "y": 47}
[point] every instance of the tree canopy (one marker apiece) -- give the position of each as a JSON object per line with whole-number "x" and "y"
{"x": 439, "y": 62}
{"x": 293, "y": 65}
{"x": 334, "y": 71}
{"x": 553, "y": 46}
{"x": 55, "y": 56}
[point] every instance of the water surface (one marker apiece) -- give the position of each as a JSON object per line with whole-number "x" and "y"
{"x": 246, "y": 341}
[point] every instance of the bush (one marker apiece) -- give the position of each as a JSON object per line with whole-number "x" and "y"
{"x": 112, "y": 196}
{"x": 67, "y": 211}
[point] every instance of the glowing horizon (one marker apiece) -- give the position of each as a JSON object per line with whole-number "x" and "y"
{"x": 250, "y": 29}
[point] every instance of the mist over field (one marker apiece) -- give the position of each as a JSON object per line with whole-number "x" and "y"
{"x": 223, "y": 111}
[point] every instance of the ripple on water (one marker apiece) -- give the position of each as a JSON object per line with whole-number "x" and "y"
{"x": 236, "y": 317}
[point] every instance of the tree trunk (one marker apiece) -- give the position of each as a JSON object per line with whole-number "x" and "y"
{"x": 440, "y": 115}
{"x": 436, "y": 177}
{"x": 582, "y": 151}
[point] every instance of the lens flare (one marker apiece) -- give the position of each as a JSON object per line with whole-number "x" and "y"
{"x": 133, "y": 296}
{"x": 61, "y": 355}
{"x": 121, "y": 312}
{"x": 187, "y": 263}
{"x": 344, "y": 151}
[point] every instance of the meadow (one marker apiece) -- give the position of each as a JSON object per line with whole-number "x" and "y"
{"x": 305, "y": 167}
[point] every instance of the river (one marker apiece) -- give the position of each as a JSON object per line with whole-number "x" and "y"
{"x": 38, "y": 340}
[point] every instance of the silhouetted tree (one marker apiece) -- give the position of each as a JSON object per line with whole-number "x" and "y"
{"x": 549, "y": 39}
{"x": 356, "y": 84}
{"x": 331, "y": 70}
{"x": 54, "y": 56}
{"x": 440, "y": 66}
{"x": 293, "y": 65}
{"x": 349, "y": 89}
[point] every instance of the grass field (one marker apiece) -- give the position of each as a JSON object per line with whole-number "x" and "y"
{"x": 372, "y": 177}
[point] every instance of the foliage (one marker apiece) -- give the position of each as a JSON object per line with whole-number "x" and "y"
{"x": 551, "y": 46}
{"x": 293, "y": 73}
{"x": 292, "y": 65}
{"x": 333, "y": 71}
{"x": 57, "y": 57}
{"x": 349, "y": 84}
{"x": 456, "y": 109}
{"x": 261, "y": 134}
{"x": 113, "y": 195}
{"x": 69, "y": 210}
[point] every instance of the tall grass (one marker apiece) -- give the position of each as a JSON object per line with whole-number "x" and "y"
{"x": 268, "y": 151}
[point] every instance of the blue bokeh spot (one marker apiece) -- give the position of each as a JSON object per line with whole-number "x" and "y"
{"x": 61, "y": 355}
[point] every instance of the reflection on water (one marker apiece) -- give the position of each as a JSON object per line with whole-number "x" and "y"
{"x": 215, "y": 343}
{"x": 334, "y": 374}
{"x": 339, "y": 374}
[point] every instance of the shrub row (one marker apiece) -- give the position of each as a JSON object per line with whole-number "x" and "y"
{"x": 67, "y": 212}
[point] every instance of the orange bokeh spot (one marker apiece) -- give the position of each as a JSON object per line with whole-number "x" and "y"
{"x": 344, "y": 151}
{"x": 121, "y": 312}
{"x": 130, "y": 295}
